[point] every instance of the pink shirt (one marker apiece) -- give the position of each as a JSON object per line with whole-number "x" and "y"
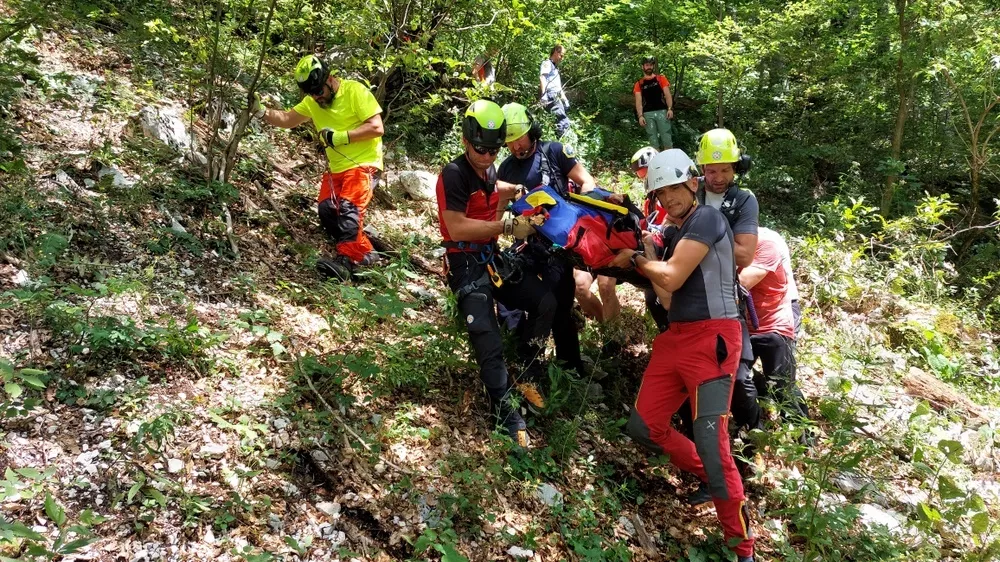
{"x": 772, "y": 299}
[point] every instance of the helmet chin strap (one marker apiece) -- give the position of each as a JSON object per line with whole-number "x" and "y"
{"x": 688, "y": 212}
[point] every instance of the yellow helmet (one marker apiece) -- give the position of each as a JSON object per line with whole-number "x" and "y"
{"x": 518, "y": 121}
{"x": 718, "y": 146}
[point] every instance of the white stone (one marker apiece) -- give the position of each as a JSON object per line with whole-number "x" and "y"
{"x": 279, "y": 423}
{"x": 627, "y": 525}
{"x": 422, "y": 293}
{"x": 518, "y": 552}
{"x": 419, "y": 185}
{"x": 213, "y": 449}
{"x": 21, "y": 278}
{"x": 63, "y": 179}
{"x": 118, "y": 179}
{"x": 330, "y": 508}
{"x": 166, "y": 125}
{"x": 88, "y": 457}
{"x": 548, "y": 494}
{"x": 175, "y": 465}
{"x": 872, "y": 515}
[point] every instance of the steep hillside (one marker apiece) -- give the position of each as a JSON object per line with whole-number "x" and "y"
{"x": 180, "y": 385}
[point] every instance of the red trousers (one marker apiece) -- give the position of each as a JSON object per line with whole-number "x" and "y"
{"x": 697, "y": 360}
{"x": 343, "y": 200}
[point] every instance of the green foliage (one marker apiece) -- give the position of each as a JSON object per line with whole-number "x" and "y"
{"x": 15, "y": 536}
{"x": 16, "y": 382}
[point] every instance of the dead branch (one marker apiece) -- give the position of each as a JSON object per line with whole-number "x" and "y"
{"x": 339, "y": 419}
{"x": 229, "y": 230}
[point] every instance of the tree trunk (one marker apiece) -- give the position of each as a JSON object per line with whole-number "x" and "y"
{"x": 905, "y": 84}
{"x": 239, "y": 129}
{"x": 720, "y": 116}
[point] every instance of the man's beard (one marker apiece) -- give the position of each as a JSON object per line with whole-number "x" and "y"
{"x": 647, "y": 72}
{"x": 325, "y": 104}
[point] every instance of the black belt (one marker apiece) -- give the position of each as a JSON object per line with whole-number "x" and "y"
{"x": 468, "y": 246}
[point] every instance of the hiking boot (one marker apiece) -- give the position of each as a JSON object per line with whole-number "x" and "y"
{"x": 335, "y": 269}
{"x": 371, "y": 259}
{"x": 699, "y": 496}
{"x": 532, "y": 393}
{"x": 513, "y": 424}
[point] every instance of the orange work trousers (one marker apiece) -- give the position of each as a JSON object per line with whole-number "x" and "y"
{"x": 343, "y": 201}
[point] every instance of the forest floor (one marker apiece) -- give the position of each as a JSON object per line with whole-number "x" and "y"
{"x": 203, "y": 405}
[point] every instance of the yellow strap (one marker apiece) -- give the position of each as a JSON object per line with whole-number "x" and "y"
{"x": 596, "y": 203}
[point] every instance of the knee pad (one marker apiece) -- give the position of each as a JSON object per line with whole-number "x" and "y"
{"x": 349, "y": 220}
{"x": 639, "y": 432}
{"x": 329, "y": 219}
{"x": 711, "y": 406}
{"x": 475, "y": 309}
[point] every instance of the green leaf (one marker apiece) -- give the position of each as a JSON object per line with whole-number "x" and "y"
{"x": 33, "y": 372}
{"x": 21, "y": 531}
{"x": 32, "y": 381}
{"x": 980, "y": 523}
{"x": 54, "y": 511}
{"x": 922, "y": 409}
{"x": 29, "y": 472}
{"x": 158, "y": 496}
{"x": 948, "y": 489}
{"x": 73, "y": 546}
{"x": 135, "y": 488}
{"x": 12, "y": 389}
{"x": 951, "y": 449}
{"x": 294, "y": 544}
{"x": 89, "y": 518}
{"x": 928, "y": 513}
{"x": 449, "y": 554}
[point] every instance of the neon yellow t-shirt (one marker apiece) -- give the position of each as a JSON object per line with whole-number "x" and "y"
{"x": 353, "y": 106}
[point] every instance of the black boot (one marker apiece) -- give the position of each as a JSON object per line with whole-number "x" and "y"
{"x": 335, "y": 269}
{"x": 507, "y": 417}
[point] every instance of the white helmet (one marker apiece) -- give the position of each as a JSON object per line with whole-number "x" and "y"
{"x": 669, "y": 167}
{"x": 641, "y": 159}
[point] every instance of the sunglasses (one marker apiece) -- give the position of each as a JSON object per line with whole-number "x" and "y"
{"x": 486, "y": 150}
{"x": 317, "y": 91}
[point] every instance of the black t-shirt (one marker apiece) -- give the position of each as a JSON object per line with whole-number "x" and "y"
{"x": 739, "y": 206}
{"x": 556, "y": 157}
{"x": 653, "y": 98}
{"x": 459, "y": 188}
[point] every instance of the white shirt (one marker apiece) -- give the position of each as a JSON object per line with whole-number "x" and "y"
{"x": 550, "y": 74}
{"x": 714, "y": 199}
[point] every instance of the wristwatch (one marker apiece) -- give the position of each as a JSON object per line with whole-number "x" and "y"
{"x": 635, "y": 264}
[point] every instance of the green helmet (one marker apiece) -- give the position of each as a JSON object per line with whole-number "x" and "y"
{"x": 311, "y": 74}
{"x": 518, "y": 121}
{"x": 718, "y": 146}
{"x": 484, "y": 124}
